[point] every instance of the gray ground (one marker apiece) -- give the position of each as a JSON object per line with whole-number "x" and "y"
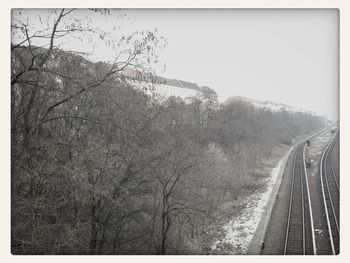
{"x": 274, "y": 239}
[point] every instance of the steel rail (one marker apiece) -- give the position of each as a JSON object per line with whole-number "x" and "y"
{"x": 328, "y": 188}
{"x": 333, "y": 173}
{"x": 304, "y": 198}
{"x": 290, "y": 204}
{"x": 302, "y": 207}
{"x": 287, "y": 233}
{"x": 300, "y": 221}
{"x": 310, "y": 207}
{"x": 324, "y": 198}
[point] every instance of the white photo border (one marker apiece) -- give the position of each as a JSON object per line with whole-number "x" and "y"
{"x": 344, "y": 95}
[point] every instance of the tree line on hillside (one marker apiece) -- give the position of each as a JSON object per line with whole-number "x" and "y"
{"x": 98, "y": 167}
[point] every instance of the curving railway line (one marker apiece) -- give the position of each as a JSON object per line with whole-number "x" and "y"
{"x": 300, "y": 233}
{"x": 330, "y": 193}
{"x": 299, "y": 238}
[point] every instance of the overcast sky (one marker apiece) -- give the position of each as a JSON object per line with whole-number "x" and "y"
{"x": 288, "y": 56}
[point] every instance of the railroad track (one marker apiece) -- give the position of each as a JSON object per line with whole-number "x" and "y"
{"x": 330, "y": 193}
{"x": 300, "y": 234}
{"x": 299, "y": 238}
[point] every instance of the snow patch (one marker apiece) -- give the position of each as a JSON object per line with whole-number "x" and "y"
{"x": 240, "y": 230}
{"x": 319, "y": 231}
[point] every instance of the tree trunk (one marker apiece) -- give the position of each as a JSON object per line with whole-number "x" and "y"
{"x": 165, "y": 223}
{"x": 93, "y": 231}
{"x": 93, "y": 240}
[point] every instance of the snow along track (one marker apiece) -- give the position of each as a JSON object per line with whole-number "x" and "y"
{"x": 257, "y": 243}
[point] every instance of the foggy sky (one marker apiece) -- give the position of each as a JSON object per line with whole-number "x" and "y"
{"x": 288, "y": 56}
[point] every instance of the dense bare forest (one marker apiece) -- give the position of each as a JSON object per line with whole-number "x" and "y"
{"x": 98, "y": 167}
